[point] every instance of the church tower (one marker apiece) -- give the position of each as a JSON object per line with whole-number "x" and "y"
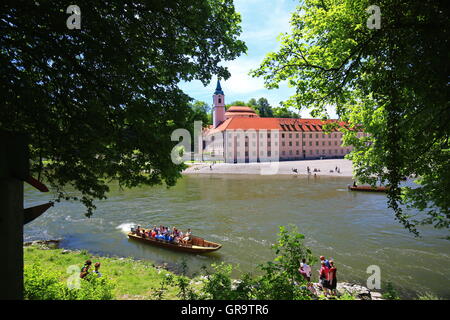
{"x": 218, "y": 106}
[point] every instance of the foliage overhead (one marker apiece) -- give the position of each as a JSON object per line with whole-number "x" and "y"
{"x": 101, "y": 102}
{"x": 393, "y": 81}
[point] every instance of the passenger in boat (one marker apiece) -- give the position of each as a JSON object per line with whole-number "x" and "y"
{"x": 187, "y": 237}
{"x": 153, "y": 234}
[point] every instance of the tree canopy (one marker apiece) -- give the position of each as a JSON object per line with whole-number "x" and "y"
{"x": 392, "y": 81}
{"x": 100, "y": 102}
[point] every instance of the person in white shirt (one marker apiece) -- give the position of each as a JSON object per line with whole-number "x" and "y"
{"x": 305, "y": 270}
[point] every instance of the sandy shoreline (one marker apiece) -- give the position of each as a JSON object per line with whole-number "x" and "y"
{"x": 327, "y": 167}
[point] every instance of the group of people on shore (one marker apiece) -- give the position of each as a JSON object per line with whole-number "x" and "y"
{"x": 165, "y": 233}
{"x": 85, "y": 270}
{"x": 327, "y": 275}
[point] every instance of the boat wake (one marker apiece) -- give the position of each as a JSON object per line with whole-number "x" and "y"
{"x": 125, "y": 227}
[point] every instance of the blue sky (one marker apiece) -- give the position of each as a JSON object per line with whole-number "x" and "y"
{"x": 262, "y": 22}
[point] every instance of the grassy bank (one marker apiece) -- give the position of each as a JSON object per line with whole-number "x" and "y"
{"x": 133, "y": 279}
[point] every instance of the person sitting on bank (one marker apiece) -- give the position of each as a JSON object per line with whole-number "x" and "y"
{"x": 85, "y": 269}
{"x": 305, "y": 270}
{"x": 96, "y": 271}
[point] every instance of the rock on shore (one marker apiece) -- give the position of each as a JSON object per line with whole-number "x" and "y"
{"x": 356, "y": 290}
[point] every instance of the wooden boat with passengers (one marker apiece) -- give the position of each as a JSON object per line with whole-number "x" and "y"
{"x": 195, "y": 245}
{"x": 368, "y": 188}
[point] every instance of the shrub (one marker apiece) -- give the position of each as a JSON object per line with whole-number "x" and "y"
{"x": 40, "y": 284}
{"x": 390, "y": 292}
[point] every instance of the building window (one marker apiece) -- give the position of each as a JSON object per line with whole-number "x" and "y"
{"x": 335, "y": 143}
{"x": 282, "y": 143}
{"x": 296, "y": 143}
{"x": 297, "y": 152}
{"x": 323, "y": 135}
{"x": 290, "y": 143}
{"x": 303, "y": 135}
{"x": 220, "y": 100}
{"x": 317, "y": 143}
{"x": 310, "y": 151}
{"x": 290, "y": 152}
{"x": 323, "y": 143}
{"x": 282, "y": 135}
{"x": 317, "y": 136}
{"x": 290, "y": 135}
{"x": 310, "y": 135}
{"x": 268, "y": 135}
{"x": 329, "y": 143}
{"x": 269, "y": 153}
{"x": 317, "y": 151}
{"x": 296, "y": 135}
{"x": 310, "y": 143}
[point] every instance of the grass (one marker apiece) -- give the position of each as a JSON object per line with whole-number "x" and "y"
{"x": 133, "y": 279}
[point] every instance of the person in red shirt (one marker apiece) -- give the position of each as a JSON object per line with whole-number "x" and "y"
{"x": 323, "y": 277}
{"x": 332, "y": 280}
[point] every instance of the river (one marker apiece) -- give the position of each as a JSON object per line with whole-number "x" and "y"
{"x": 243, "y": 213}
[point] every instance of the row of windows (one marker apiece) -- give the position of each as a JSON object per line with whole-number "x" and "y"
{"x": 297, "y": 143}
{"x": 291, "y": 152}
{"x": 297, "y": 135}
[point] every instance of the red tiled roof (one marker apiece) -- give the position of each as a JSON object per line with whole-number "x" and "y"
{"x": 282, "y": 124}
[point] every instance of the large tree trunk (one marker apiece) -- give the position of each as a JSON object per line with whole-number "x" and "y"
{"x": 13, "y": 170}
{"x": 11, "y": 239}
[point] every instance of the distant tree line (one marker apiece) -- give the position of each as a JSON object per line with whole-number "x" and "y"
{"x": 201, "y": 111}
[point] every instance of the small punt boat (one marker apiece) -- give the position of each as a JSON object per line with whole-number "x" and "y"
{"x": 196, "y": 244}
{"x": 368, "y": 188}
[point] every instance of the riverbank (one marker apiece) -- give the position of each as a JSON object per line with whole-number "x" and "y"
{"x": 138, "y": 279}
{"x": 325, "y": 167}
{"x": 133, "y": 279}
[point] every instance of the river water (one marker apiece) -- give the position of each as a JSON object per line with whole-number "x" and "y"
{"x": 243, "y": 213}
